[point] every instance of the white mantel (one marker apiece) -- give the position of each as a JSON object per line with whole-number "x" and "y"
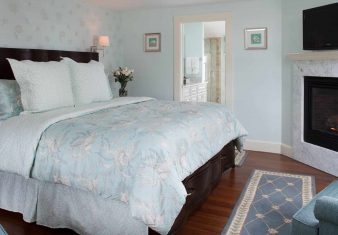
{"x": 314, "y": 55}
{"x": 321, "y": 64}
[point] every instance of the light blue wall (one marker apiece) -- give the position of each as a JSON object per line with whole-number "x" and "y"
{"x": 292, "y": 42}
{"x": 263, "y": 79}
{"x": 193, "y": 34}
{"x": 257, "y": 74}
{"x": 193, "y": 39}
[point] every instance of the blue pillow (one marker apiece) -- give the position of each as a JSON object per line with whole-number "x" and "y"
{"x": 10, "y": 99}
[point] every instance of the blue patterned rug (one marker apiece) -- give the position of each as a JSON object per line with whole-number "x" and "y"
{"x": 268, "y": 202}
{"x": 2, "y": 231}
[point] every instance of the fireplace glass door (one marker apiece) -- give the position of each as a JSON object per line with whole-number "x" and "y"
{"x": 321, "y": 112}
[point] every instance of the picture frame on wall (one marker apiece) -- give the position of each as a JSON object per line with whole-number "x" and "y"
{"x": 152, "y": 42}
{"x": 256, "y": 38}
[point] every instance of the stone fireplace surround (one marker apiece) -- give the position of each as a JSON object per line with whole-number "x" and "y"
{"x": 321, "y": 64}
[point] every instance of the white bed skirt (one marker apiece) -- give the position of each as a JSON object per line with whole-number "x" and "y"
{"x": 59, "y": 206}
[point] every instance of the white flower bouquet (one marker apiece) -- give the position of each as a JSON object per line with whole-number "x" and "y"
{"x": 123, "y": 76}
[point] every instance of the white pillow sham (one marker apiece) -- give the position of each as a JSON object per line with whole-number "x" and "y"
{"x": 43, "y": 85}
{"x": 89, "y": 82}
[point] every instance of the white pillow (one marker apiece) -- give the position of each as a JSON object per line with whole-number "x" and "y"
{"x": 43, "y": 85}
{"x": 89, "y": 82}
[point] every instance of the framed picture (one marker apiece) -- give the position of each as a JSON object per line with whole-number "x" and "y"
{"x": 256, "y": 38}
{"x": 152, "y": 42}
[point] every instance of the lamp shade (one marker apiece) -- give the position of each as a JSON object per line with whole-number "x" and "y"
{"x": 104, "y": 41}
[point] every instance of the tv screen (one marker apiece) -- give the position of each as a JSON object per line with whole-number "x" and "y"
{"x": 320, "y": 28}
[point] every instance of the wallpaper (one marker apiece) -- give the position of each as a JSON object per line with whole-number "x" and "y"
{"x": 60, "y": 25}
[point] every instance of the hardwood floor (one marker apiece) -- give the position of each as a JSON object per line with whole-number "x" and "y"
{"x": 214, "y": 213}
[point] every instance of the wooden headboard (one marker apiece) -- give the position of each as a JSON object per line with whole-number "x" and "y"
{"x": 39, "y": 56}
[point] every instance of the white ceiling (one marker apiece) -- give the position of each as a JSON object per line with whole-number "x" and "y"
{"x": 132, "y": 4}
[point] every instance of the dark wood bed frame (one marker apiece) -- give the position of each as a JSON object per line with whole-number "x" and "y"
{"x": 198, "y": 185}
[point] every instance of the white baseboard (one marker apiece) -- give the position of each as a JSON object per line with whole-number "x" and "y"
{"x": 286, "y": 150}
{"x": 269, "y": 147}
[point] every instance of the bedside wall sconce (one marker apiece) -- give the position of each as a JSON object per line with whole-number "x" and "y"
{"x": 101, "y": 43}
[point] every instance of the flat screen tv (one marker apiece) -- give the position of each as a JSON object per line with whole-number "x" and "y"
{"x": 320, "y": 28}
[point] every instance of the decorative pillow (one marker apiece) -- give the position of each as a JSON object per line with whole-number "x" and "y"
{"x": 10, "y": 99}
{"x": 89, "y": 82}
{"x": 43, "y": 85}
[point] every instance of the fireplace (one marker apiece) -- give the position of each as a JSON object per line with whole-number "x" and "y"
{"x": 321, "y": 111}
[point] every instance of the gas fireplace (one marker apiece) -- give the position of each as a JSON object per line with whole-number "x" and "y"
{"x": 321, "y": 111}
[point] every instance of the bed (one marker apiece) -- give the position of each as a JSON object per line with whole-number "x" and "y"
{"x": 57, "y": 203}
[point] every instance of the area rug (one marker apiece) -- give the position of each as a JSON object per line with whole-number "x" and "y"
{"x": 240, "y": 158}
{"x": 2, "y": 231}
{"x": 268, "y": 202}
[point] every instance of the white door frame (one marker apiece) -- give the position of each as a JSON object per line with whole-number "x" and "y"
{"x": 178, "y": 68}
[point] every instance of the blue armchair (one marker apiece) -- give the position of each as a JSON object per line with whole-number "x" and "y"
{"x": 320, "y": 215}
{"x": 326, "y": 211}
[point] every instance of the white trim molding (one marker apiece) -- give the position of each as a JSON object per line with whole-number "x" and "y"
{"x": 286, "y": 150}
{"x": 178, "y": 70}
{"x": 268, "y": 147}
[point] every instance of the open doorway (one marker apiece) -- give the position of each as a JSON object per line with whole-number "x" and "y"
{"x": 214, "y": 60}
{"x": 203, "y": 63}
